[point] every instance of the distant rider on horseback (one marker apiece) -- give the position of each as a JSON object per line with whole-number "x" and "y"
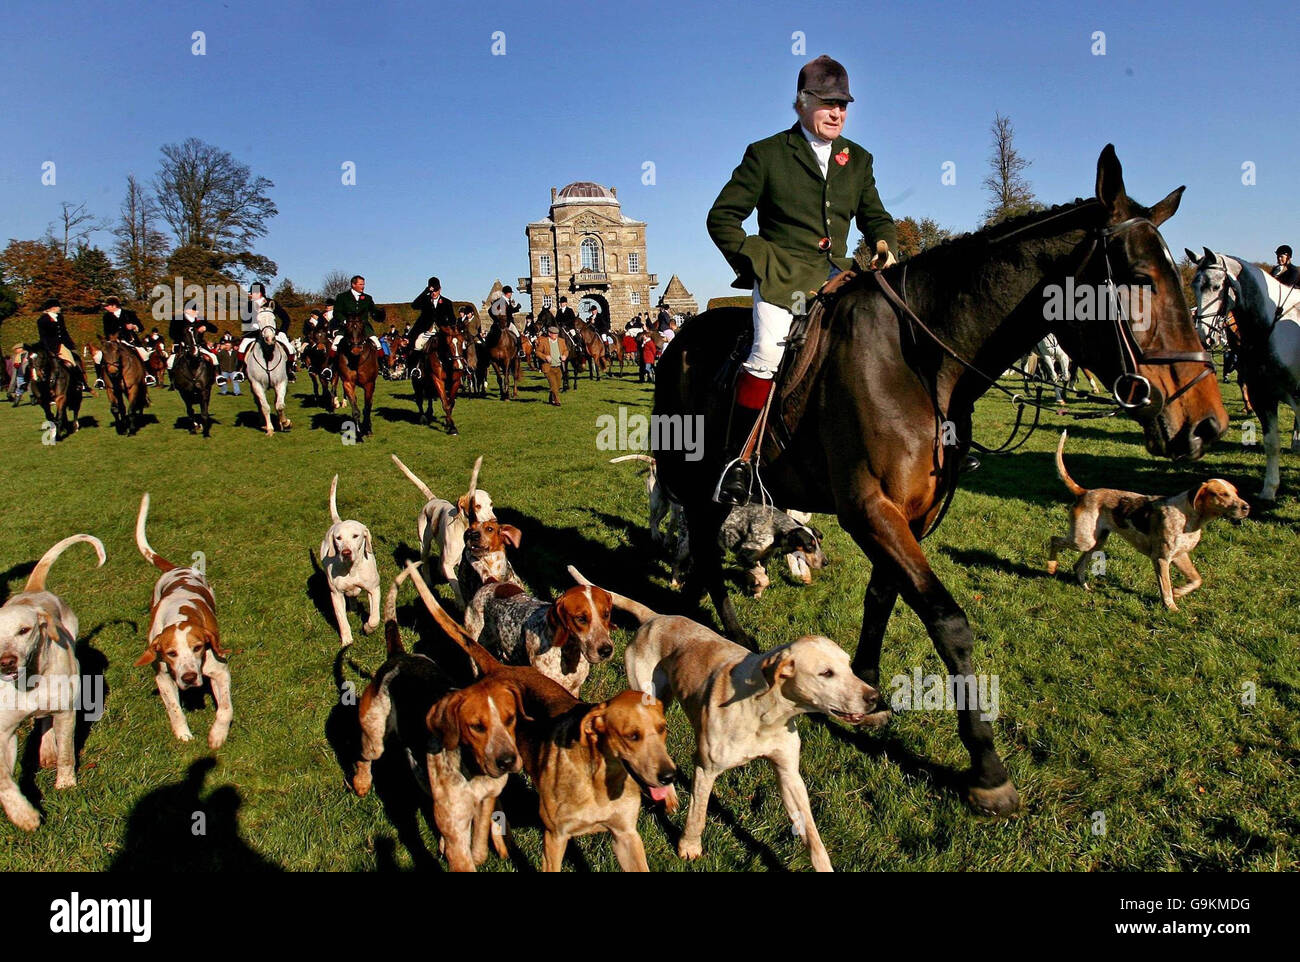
{"x": 808, "y": 183}
{"x": 260, "y": 312}
{"x": 56, "y": 340}
{"x": 435, "y": 312}
{"x": 189, "y": 321}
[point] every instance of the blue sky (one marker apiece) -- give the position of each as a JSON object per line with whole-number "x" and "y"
{"x": 457, "y": 149}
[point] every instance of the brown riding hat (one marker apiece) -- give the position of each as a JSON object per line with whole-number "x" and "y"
{"x": 824, "y": 78}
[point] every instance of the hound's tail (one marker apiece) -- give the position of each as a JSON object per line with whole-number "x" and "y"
{"x": 633, "y": 457}
{"x": 1060, "y": 468}
{"x": 392, "y": 635}
{"x": 424, "y": 488}
{"x": 141, "y": 542}
{"x": 472, "y": 495}
{"x": 482, "y": 658}
{"x": 334, "y": 505}
{"x": 36, "y": 580}
{"x": 634, "y": 608}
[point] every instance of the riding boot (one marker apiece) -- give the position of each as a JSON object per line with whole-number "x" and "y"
{"x": 747, "y": 405}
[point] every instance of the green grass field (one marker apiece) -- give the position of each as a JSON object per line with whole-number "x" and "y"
{"x": 1108, "y": 704}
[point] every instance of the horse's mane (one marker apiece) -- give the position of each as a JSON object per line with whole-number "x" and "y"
{"x": 964, "y": 245}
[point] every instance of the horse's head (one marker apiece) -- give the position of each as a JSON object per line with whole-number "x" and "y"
{"x": 266, "y": 323}
{"x": 1215, "y": 288}
{"x": 1141, "y": 339}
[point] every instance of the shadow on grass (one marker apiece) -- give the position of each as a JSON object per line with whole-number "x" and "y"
{"x": 165, "y": 833}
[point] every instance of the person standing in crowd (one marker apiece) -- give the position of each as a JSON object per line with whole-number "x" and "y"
{"x": 553, "y": 352}
{"x": 649, "y": 354}
{"x": 228, "y": 364}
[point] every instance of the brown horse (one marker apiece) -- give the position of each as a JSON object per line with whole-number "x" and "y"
{"x": 503, "y": 352}
{"x": 124, "y": 374}
{"x": 56, "y": 388}
{"x": 595, "y": 349}
{"x": 358, "y": 363}
{"x": 438, "y": 373}
{"x": 156, "y": 366}
{"x": 888, "y": 419}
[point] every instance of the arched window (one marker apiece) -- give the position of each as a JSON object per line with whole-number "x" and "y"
{"x": 590, "y": 254}
{"x": 544, "y": 265}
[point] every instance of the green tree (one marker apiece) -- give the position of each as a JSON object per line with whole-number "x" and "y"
{"x": 96, "y": 273}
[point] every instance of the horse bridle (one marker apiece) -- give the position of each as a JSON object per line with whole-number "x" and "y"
{"x": 1131, "y": 354}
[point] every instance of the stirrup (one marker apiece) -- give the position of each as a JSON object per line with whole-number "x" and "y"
{"x": 149, "y": 380}
{"x": 99, "y": 384}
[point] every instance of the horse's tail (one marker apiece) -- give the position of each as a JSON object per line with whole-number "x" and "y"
{"x": 334, "y": 507}
{"x": 482, "y": 658}
{"x": 392, "y": 635}
{"x": 141, "y": 542}
{"x": 634, "y": 608}
{"x": 1064, "y": 475}
{"x": 36, "y": 580}
{"x": 424, "y": 488}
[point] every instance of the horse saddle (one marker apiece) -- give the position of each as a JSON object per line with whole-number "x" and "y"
{"x": 806, "y": 345}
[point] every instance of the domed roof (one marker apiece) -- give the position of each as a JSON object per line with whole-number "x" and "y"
{"x": 585, "y": 192}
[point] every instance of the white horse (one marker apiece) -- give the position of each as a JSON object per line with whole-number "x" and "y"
{"x": 267, "y": 366}
{"x": 1267, "y": 313}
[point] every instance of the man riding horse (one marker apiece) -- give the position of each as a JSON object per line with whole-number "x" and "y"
{"x": 56, "y": 340}
{"x": 355, "y": 302}
{"x": 258, "y": 314}
{"x": 190, "y": 325}
{"x": 435, "y": 312}
{"x": 807, "y": 183}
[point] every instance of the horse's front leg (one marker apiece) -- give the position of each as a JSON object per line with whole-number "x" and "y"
{"x": 1266, "y": 410}
{"x": 880, "y": 528}
{"x": 365, "y": 418}
{"x": 703, "y": 522}
{"x": 877, "y": 606}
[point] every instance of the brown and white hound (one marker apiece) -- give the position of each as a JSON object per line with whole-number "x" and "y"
{"x": 184, "y": 641}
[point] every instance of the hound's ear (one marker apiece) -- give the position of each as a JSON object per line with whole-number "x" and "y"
{"x": 46, "y": 626}
{"x": 443, "y": 720}
{"x": 1166, "y": 208}
{"x": 518, "y": 693}
{"x": 556, "y": 621}
{"x": 147, "y": 658}
{"x": 213, "y": 641}
{"x": 511, "y": 534}
{"x": 369, "y": 553}
{"x": 462, "y": 504}
{"x": 325, "y": 544}
{"x": 1203, "y": 495}
{"x": 593, "y": 726}
{"x": 778, "y": 666}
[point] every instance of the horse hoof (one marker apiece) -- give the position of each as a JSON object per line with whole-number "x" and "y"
{"x": 1000, "y": 801}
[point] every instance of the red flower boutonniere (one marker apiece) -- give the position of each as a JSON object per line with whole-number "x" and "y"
{"x": 842, "y": 157}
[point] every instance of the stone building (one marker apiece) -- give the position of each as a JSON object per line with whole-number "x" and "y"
{"x": 678, "y": 299}
{"x": 586, "y": 249}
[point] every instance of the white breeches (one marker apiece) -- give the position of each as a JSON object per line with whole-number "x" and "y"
{"x": 374, "y": 339}
{"x": 771, "y": 325}
{"x": 424, "y": 339}
{"x": 206, "y": 353}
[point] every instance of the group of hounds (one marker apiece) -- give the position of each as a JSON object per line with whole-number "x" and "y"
{"x": 513, "y": 703}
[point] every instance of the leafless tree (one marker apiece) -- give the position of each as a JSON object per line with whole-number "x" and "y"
{"x": 74, "y": 226}
{"x": 141, "y": 248}
{"x": 211, "y": 200}
{"x": 1010, "y": 191}
{"x": 335, "y": 283}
